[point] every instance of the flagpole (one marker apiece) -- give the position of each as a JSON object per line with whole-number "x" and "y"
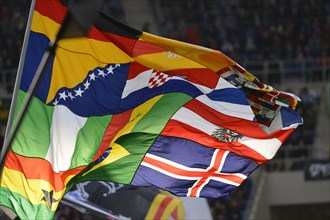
{"x": 6, "y": 210}
{"x": 33, "y": 86}
{"x": 19, "y": 72}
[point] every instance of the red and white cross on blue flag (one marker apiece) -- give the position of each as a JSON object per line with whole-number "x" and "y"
{"x": 173, "y": 169}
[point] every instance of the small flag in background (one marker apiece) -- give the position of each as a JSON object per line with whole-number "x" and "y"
{"x": 130, "y": 107}
{"x": 122, "y": 200}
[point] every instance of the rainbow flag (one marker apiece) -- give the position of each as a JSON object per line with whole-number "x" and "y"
{"x": 130, "y": 107}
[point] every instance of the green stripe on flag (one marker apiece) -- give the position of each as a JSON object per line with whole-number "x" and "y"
{"x": 122, "y": 170}
{"x": 33, "y": 138}
{"x": 89, "y": 139}
{"x": 22, "y": 206}
{"x": 137, "y": 143}
{"x": 161, "y": 113}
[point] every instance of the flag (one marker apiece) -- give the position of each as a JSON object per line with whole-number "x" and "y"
{"x": 128, "y": 202}
{"x": 131, "y": 107}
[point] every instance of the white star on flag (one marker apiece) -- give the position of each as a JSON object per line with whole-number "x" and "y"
{"x": 101, "y": 73}
{"x": 92, "y": 76}
{"x": 86, "y": 84}
{"x": 110, "y": 69}
{"x": 79, "y": 92}
{"x": 55, "y": 102}
{"x": 63, "y": 95}
{"x": 70, "y": 95}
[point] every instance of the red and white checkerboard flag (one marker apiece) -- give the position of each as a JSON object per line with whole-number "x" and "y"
{"x": 157, "y": 79}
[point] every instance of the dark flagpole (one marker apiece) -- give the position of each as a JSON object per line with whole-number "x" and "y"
{"x": 20, "y": 68}
{"x": 8, "y": 212}
{"x": 77, "y": 22}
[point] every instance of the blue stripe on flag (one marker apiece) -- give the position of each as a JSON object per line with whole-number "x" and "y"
{"x": 138, "y": 97}
{"x": 238, "y": 164}
{"x": 100, "y": 92}
{"x": 290, "y": 117}
{"x": 172, "y": 148}
{"x": 216, "y": 189}
{"x": 233, "y": 79}
{"x": 37, "y": 46}
{"x": 230, "y": 95}
{"x": 195, "y": 156}
{"x": 149, "y": 177}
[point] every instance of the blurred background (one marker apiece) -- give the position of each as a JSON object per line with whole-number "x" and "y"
{"x": 286, "y": 44}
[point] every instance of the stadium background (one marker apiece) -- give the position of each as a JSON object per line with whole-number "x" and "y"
{"x": 284, "y": 43}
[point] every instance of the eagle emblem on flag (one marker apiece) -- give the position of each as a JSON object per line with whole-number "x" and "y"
{"x": 226, "y": 135}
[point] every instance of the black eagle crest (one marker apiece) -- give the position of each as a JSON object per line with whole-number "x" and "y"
{"x": 226, "y": 135}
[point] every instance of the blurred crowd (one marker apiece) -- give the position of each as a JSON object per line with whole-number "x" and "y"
{"x": 13, "y": 18}
{"x": 251, "y": 30}
{"x": 233, "y": 209}
{"x": 243, "y": 30}
{"x": 299, "y": 146}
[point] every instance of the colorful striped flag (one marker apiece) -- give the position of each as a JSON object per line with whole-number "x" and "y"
{"x": 130, "y": 107}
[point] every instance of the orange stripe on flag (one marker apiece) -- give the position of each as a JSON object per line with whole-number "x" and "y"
{"x": 242, "y": 126}
{"x": 117, "y": 123}
{"x": 165, "y": 206}
{"x": 52, "y": 9}
{"x": 197, "y": 76}
{"x": 37, "y": 168}
{"x": 179, "y": 129}
{"x": 142, "y": 47}
{"x": 37, "y": 191}
{"x": 175, "y": 213}
{"x": 189, "y": 173}
{"x": 211, "y": 171}
{"x": 222, "y": 71}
